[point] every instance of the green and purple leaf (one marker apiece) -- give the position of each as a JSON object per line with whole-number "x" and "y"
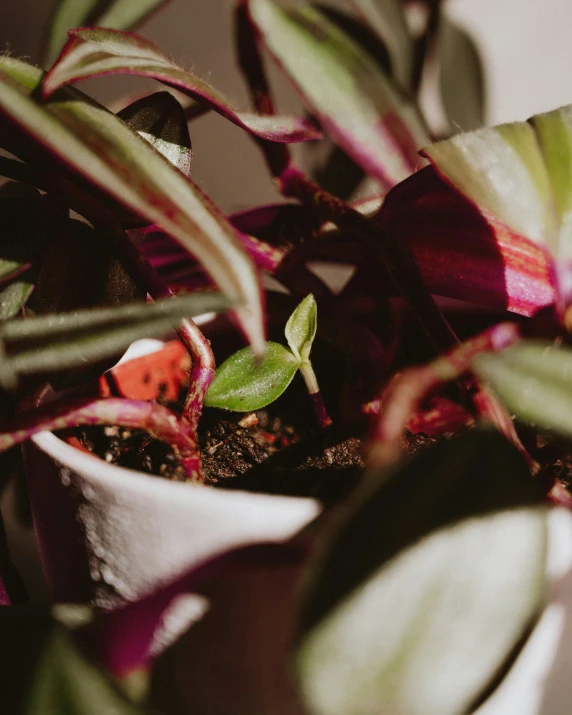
{"x": 48, "y": 672}
{"x": 344, "y": 88}
{"x": 521, "y": 173}
{"x": 96, "y": 52}
{"x": 445, "y": 577}
{"x": 66, "y": 340}
{"x": 103, "y": 149}
{"x": 117, "y": 14}
{"x": 301, "y": 328}
{"x": 244, "y": 384}
{"x": 161, "y": 121}
{"x": 466, "y": 253}
{"x": 534, "y": 380}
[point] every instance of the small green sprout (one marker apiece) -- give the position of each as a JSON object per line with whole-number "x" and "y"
{"x": 243, "y": 384}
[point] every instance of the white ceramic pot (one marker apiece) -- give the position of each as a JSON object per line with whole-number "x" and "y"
{"x": 108, "y": 534}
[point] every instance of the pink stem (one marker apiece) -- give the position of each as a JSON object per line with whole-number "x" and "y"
{"x": 405, "y": 393}
{"x": 158, "y": 421}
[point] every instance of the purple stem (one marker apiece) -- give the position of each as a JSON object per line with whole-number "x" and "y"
{"x": 160, "y": 422}
{"x": 322, "y": 417}
{"x": 396, "y": 257}
{"x": 406, "y": 392}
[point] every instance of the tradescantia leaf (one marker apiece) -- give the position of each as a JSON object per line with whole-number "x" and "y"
{"x": 95, "y": 52}
{"x": 461, "y": 77}
{"x": 301, "y": 327}
{"x": 100, "y": 147}
{"x": 243, "y": 384}
{"x": 344, "y": 88}
{"x": 13, "y": 297}
{"x": 62, "y": 341}
{"x": 47, "y": 672}
{"x": 445, "y": 578}
{"x": 501, "y": 169}
{"x": 161, "y": 121}
{"x": 387, "y": 18}
{"x": 534, "y": 379}
{"x": 521, "y": 173}
{"x": 119, "y": 14}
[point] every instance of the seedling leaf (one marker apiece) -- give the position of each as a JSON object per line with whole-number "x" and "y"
{"x": 242, "y": 384}
{"x": 301, "y": 328}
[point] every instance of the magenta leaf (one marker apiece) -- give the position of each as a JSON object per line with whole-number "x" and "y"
{"x": 161, "y": 121}
{"x": 101, "y": 148}
{"x": 97, "y": 52}
{"x": 344, "y": 88}
{"x": 465, "y": 253}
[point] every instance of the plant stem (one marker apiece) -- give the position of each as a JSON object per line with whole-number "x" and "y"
{"x": 322, "y": 417}
{"x": 158, "y": 421}
{"x": 405, "y": 393}
{"x": 397, "y": 257}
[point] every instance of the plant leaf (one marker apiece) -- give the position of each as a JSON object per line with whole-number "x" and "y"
{"x": 464, "y": 253}
{"x": 47, "y": 673}
{"x": 13, "y": 297}
{"x": 461, "y": 77}
{"x": 534, "y": 379}
{"x": 445, "y": 576}
{"x": 502, "y": 170}
{"x": 100, "y": 147}
{"x": 62, "y": 341}
{"x": 119, "y": 14}
{"x": 345, "y": 88}
{"x": 387, "y": 18}
{"x": 161, "y": 121}
{"x": 301, "y": 327}
{"x": 97, "y": 52}
{"x": 243, "y": 384}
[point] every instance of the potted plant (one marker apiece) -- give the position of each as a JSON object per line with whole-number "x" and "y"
{"x": 416, "y": 588}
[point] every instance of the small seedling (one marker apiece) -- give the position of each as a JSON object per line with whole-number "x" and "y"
{"x": 244, "y": 384}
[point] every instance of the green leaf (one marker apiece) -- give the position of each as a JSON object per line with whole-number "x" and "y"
{"x": 47, "y": 673}
{"x": 534, "y": 379}
{"x": 161, "y": 121}
{"x": 461, "y": 77}
{"x": 244, "y": 384}
{"x": 66, "y": 340}
{"x": 301, "y": 328}
{"x": 387, "y": 19}
{"x": 118, "y": 14}
{"x": 102, "y": 148}
{"x": 345, "y": 88}
{"x": 95, "y": 52}
{"x": 554, "y": 133}
{"x": 13, "y": 297}
{"x": 427, "y": 587}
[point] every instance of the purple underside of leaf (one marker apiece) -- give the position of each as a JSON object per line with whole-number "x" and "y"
{"x": 122, "y": 638}
{"x": 97, "y": 52}
{"x": 466, "y": 254}
{"x": 173, "y": 262}
{"x": 100, "y": 147}
{"x": 159, "y": 421}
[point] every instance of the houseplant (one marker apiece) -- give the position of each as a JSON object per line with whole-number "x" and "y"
{"x": 462, "y": 522}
